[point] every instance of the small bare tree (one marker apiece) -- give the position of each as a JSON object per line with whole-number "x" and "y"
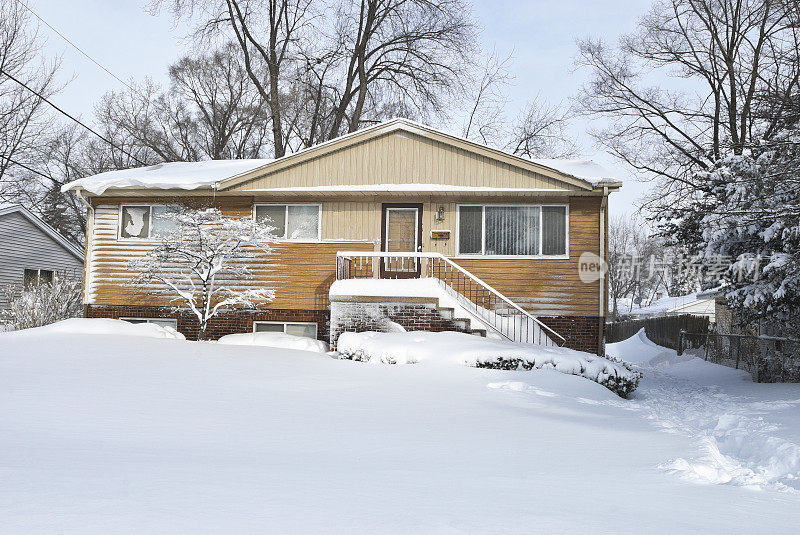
{"x": 203, "y": 260}
{"x": 540, "y": 131}
{"x": 23, "y": 115}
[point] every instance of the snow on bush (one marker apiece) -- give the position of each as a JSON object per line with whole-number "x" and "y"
{"x": 109, "y": 326}
{"x": 470, "y": 350}
{"x": 41, "y": 304}
{"x": 279, "y": 340}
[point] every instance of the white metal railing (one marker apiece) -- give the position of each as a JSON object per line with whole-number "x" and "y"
{"x": 487, "y": 304}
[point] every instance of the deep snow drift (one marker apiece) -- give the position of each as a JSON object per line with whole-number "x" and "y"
{"x": 106, "y": 433}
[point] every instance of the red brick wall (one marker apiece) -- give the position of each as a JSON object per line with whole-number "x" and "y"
{"x": 232, "y": 322}
{"x": 584, "y": 333}
{"x": 360, "y": 317}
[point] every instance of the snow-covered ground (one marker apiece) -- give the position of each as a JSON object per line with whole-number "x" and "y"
{"x": 111, "y": 433}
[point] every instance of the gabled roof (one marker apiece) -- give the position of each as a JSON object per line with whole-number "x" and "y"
{"x": 226, "y": 174}
{"x": 44, "y": 227}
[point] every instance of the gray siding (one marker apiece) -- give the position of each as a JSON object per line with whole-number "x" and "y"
{"x": 23, "y": 245}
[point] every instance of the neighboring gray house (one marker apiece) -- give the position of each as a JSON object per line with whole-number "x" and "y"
{"x": 31, "y": 250}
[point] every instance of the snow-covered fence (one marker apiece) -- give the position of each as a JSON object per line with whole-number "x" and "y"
{"x": 769, "y": 359}
{"x": 664, "y": 331}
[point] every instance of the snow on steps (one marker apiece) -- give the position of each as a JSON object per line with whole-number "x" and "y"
{"x": 448, "y": 348}
{"x": 432, "y": 290}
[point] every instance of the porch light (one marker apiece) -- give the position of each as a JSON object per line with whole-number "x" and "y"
{"x": 440, "y": 213}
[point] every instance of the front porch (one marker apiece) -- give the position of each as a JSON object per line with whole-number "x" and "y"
{"x": 388, "y": 291}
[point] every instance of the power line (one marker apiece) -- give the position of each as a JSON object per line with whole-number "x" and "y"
{"x": 28, "y": 168}
{"x": 137, "y": 160}
{"x": 76, "y": 47}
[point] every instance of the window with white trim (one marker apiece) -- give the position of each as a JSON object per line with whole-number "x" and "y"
{"x": 512, "y": 230}
{"x": 307, "y": 329}
{"x": 291, "y": 221}
{"x": 37, "y": 277}
{"x": 163, "y": 322}
{"x": 145, "y": 221}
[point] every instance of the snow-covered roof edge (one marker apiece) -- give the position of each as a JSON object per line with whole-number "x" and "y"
{"x": 44, "y": 227}
{"x": 229, "y": 173}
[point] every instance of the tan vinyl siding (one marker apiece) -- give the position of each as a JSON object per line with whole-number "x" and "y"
{"x": 403, "y": 158}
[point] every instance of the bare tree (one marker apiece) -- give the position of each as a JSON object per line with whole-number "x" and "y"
{"x": 540, "y": 131}
{"x": 210, "y": 111}
{"x": 719, "y": 54}
{"x": 486, "y": 93}
{"x": 23, "y": 114}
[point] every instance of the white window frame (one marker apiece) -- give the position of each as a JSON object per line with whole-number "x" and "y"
{"x": 152, "y": 320}
{"x": 286, "y": 219}
{"x": 483, "y": 254}
{"x": 285, "y": 323}
{"x": 149, "y": 237}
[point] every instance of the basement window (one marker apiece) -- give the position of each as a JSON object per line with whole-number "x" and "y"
{"x": 307, "y": 329}
{"x": 300, "y": 222}
{"x": 145, "y": 221}
{"x": 164, "y": 322}
{"x": 513, "y": 230}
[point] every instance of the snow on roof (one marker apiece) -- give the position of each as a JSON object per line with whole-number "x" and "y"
{"x": 180, "y": 175}
{"x": 193, "y": 175}
{"x": 587, "y": 170}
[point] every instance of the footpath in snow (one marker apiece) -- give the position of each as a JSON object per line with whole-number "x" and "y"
{"x": 745, "y": 432}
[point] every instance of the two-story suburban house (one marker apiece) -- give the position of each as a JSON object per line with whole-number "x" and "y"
{"x": 395, "y": 225}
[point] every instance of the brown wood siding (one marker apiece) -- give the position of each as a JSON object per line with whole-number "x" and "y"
{"x": 404, "y": 158}
{"x": 550, "y": 286}
{"x": 302, "y": 272}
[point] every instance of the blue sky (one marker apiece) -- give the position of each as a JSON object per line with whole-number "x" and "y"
{"x": 128, "y": 41}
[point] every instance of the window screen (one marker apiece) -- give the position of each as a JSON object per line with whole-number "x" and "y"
{"x": 554, "y": 230}
{"x": 269, "y": 327}
{"x": 302, "y": 222}
{"x": 470, "y": 229}
{"x": 293, "y": 221}
{"x": 163, "y": 223}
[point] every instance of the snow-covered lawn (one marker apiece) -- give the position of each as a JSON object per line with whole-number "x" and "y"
{"x": 106, "y": 433}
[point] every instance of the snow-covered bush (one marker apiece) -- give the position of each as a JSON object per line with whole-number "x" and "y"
{"x": 465, "y": 349}
{"x": 41, "y": 304}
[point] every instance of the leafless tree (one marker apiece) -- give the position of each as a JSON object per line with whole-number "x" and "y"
{"x": 486, "y": 94}
{"x": 24, "y": 117}
{"x": 540, "y": 131}
{"x": 327, "y": 68}
{"x": 210, "y": 111}
{"x": 720, "y": 55}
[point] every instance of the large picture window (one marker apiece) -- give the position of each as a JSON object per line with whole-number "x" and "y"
{"x": 291, "y": 221}
{"x": 512, "y": 230}
{"x": 145, "y": 221}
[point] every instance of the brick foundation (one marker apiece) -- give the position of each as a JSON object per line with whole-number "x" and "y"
{"x": 584, "y": 333}
{"x": 349, "y": 316}
{"x": 232, "y": 322}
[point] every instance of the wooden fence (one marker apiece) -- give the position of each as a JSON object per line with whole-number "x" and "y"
{"x": 664, "y": 331}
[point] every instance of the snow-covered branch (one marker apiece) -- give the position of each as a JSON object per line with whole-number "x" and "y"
{"x": 202, "y": 263}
